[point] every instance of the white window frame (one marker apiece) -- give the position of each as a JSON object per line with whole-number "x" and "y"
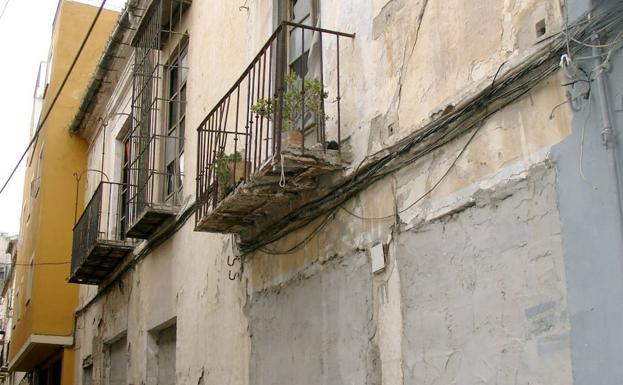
{"x": 172, "y": 184}
{"x": 35, "y": 183}
{"x": 30, "y": 279}
{"x": 108, "y": 356}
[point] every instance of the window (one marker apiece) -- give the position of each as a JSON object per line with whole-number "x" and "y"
{"x": 87, "y": 370}
{"x": 166, "y": 356}
{"x": 35, "y": 183}
{"x": 125, "y": 180}
{"x": 18, "y": 303}
{"x": 87, "y": 375}
{"x": 300, "y": 41}
{"x": 29, "y": 277}
{"x": 158, "y": 117}
{"x": 117, "y": 363}
{"x": 304, "y": 54}
{"x": 177, "y": 71}
{"x": 161, "y": 355}
{"x": 49, "y": 374}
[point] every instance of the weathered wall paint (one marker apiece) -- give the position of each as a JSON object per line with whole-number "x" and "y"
{"x": 592, "y": 225}
{"x": 319, "y": 315}
{"x": 483, "y": 290}
{"x": 315, "y": 328}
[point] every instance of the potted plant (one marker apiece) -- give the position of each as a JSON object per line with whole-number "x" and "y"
{"x": 229, "y": 170}
{"x": 295, "y": 101}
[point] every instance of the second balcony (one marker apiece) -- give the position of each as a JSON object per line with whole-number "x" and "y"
{"x": 273, "y": 140}
{"x": 99, "y": 245}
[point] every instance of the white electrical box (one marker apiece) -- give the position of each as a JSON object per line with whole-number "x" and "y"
{"x": 378, "y": 258}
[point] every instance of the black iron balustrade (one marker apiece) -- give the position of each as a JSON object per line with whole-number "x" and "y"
{"x": 154, "y": 178}
{"x": 280, "y": 116}
{"x": 99, "y": 244}
{"x": 154, "y": 192}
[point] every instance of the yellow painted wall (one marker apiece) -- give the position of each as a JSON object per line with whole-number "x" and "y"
{"x": 47, "y": 219}
{"x": 67, "y": 371}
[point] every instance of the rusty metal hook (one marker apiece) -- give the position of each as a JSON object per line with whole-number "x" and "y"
{"x": 236, "y": 276}
{"x": 231, "y": 262}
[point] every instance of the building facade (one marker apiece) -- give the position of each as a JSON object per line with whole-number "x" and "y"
{"x": 352, "y": 192}
{"x": 6, "y": 312}
{"x": 43, "y": 302}
{"x": 7, "y": 245}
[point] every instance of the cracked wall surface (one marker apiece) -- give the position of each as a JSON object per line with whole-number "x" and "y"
{"x": 315, "y": 328}
{"x": 592, "y": 225}
{"x": 483, "y": 290}
{"x": 474, "y": 290}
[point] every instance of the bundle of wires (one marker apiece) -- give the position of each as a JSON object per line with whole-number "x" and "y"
{"x": 507, "y": 86}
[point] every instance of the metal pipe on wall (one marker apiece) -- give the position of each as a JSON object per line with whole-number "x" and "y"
{"x": 608, "y": 134}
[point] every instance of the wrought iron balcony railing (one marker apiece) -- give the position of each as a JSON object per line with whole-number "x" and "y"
{"x": 155, "y": 155}
{"x": 276, "y": 128}
{"x": 99, "y": 244}
{"x": 154, "y": 191}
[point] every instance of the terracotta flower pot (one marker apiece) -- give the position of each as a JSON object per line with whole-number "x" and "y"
{"x": 292, "y": 140}
{"x": 235, "y": 174}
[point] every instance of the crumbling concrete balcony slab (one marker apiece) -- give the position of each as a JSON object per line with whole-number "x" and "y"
{"x": 100, "y": 261}
{"x": 266, "y": 196}
{"x": 99, "y": 245}
{"x": 263, "y": 148}
{"x": 152, "y": 216}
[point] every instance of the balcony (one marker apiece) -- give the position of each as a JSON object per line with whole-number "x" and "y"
{"x": 155, "y": 155}
{"x": 98, "y": 241}
{"x": 264, "y": 147}
{"x": 154, "y": 190}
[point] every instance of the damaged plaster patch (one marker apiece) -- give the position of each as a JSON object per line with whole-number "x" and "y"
{"x": 385, "y": 17}
{"x": 402, "y": 24}
{"x": 500, "y": 181}
{"x": 480, "y": 307}
{"x": 294, "y": 328}
{"x": 539, "y": 309}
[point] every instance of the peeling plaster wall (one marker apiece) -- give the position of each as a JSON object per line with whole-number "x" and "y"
{"x": 483, "y": 290}
{"x": 475, "y": 268}
{"x": 316, "y": 328}
{"x": 421, "y": 56}
{"x": 592, "y": 224}
{"x": 188, "y": 285}
{"x": 474, "y": 290}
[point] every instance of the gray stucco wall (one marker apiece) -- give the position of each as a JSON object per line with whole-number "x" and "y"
{"x": 315, "y": 329}
{"x": 591, "y": 231}
{"x": 483, "y": 290}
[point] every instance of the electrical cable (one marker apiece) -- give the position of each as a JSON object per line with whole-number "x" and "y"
{"x": 305, "y": 240}
{"x": 616, "y": 41}
{"x": 325, "y": 221}
{"x": 4, "y": 8}
{"x": 58, "y": 93}
{"x": 567, "y": 40}
{"x": 497, "y": 73}
{"x": 428, "y": 192}
{"x": 39, "y": 264}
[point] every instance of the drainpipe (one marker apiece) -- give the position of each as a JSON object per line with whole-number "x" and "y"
{"x": 608, "y": 134}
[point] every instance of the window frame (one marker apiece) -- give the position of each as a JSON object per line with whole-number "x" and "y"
{"x": 313, "y": 15}
{"x": 174, "y": 131}
{"x": 30, "y": 278}
{"x": 296, "y": 61}
{"x": 35, "y": 182}
{"x": 125, "y": 176}
{"x": 121, "y": 340}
